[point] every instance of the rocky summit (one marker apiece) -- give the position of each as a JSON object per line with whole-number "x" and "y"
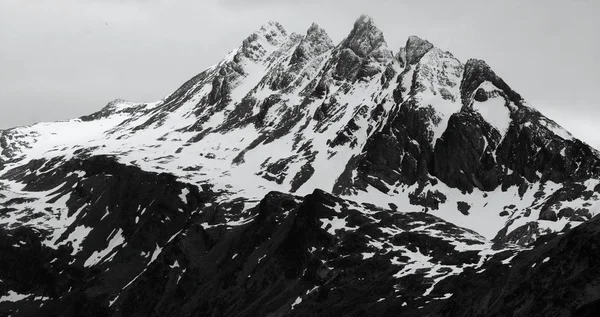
{"x": 297, "y": 177}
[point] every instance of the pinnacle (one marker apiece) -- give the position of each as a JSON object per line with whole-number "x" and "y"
{"x": 314, "y": 43}
{"x": 313, "y": 28}
{"x": 316, "y": 33}
{"x": 415, "y": 38}
{"x": 364, "y": 19}
{"x": 366, "y": 39}
{"x": 416, "y": 47}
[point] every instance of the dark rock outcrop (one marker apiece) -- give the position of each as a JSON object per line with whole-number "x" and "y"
{"x": 196, "y": 259}
{"x": 474, "y": 165}
{"x": 416, "y": 48}
{"x": 477, "y": 72}
{"x": 558, "y": 277}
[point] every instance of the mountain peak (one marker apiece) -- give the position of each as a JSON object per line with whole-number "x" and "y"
{"x": 315, "y": 31}
{"x": 273, "y": 32}
{"x": 313, "y": 44}
{"x": 314, "y": 27}
{"x": 256, "y": 45}
{"x": 478, "y": 71}
{"x": 273, "y": 27}
{"x": 415, "y": 48}
{"x": 366, "y": 40}
{"x": 364, "y": 19}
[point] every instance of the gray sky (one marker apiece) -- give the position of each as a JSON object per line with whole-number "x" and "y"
{"x": 65, "y": 58}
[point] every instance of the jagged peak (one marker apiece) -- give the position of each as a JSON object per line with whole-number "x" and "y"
{"x": 316, "y": 42}
{"x": 414, "y": 39}
{"x": 366, "y": 40}
{"x": 364, "y": 19}
{"x": 257, "y": 44}
{"x": 415, "y": 49}
{"x": 272, "y": 31}
{"x": 314, "y": 27}
{"x": 315, "y": 31}
{"x": 273, "y": 27}
{"x": 478, "y": 71}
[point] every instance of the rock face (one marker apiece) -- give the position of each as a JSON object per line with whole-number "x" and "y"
{"x": 415, "y": 49}
{"x": 366, "y": 40}
{"x": 557, "y": 277}
{"x": 315, "y": 43}
{"x": 297, "y": 177}
{"x": 113, "y": 217}
{"x": 476, "y": 73}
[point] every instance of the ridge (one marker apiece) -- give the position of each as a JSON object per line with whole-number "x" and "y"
{"x": 477, "y": 71}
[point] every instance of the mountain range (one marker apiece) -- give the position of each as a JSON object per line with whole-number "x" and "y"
{"x": 297, "y": 177}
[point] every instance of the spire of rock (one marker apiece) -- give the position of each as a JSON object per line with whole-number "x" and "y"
{"x": 366, "y": 40}
{"x": 315, "y": 43}
{"x": 416, "y": 48}
{"x": 314, "y": 28}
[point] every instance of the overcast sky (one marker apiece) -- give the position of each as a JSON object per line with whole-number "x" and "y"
{"x": 65, "y": 58}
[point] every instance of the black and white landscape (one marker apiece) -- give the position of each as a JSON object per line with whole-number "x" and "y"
{"x": 303, "y": 177}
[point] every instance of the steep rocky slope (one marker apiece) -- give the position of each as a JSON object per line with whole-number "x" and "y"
{"x": 558, "y": 277}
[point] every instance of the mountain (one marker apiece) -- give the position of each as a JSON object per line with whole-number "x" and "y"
{"x": 297, "y": 177}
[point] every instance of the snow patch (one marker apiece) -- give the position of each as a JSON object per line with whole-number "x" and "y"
{"x": 495, "y": 113}
{"x": 96, "y": 257}
{"x": 297, "y": 301}
{"x": 13, "y": 297}
{"x": 183, "y": 196}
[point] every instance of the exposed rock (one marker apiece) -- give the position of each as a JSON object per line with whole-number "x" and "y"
{"x": 557, "y": 277}
{"x": 548, "y": 214}
{"x": 349, "y": 65}
{"x": 477, "y": 72}
{"x": 120, "y": 218}
{"x": 461, "y": 159}
{"x": 416, "y": 48}
{"x": 480, "y": 95}
{"x": 253, "y": 47}
{"x": 366, "y": 40}
{"x": 581, "y": 214}
{"x": 316, "y": 42}
{"x": 264, "y": 108}
{"x": 220, "y": 91}
{"x": 285, "y": 249}
{"x": 428, "y": 199}
{"x": 463, "y": 207}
